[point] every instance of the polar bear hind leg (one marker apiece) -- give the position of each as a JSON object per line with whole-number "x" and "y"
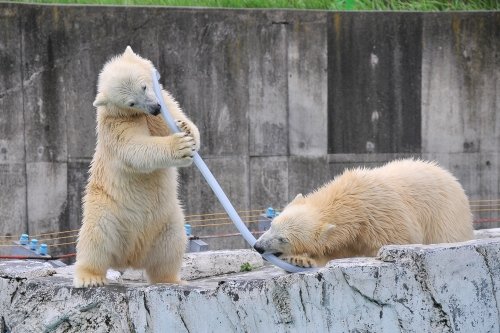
{"x": 164, "y": 260}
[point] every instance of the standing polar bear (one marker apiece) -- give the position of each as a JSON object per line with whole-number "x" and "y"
{"x": 131, "y": 214}
{"x": 403, "y": 202}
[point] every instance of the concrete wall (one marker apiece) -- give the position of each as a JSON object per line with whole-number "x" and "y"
{"x": 284, "y": 100}
{"x": 438, "y": 288}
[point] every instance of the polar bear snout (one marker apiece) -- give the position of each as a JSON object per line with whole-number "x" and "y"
{"x": 154, "y": 109}
{"x": 262, "y": 249}
{"x": 270, "y": 242}
{"x": 259, "y": 248}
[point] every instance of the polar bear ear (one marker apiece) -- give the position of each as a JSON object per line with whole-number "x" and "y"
{"x": 298, "y": 198}
{"x": 100, "y": 99}
{"x": 328, "y": 229}
{"x": 128, "y": 52}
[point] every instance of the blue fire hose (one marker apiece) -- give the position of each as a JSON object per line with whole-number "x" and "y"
{"x": 212, "y": 182}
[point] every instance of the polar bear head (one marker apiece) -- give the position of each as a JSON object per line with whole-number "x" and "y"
{"x": 125, "y": 85}
{"x": 297, "y": 230}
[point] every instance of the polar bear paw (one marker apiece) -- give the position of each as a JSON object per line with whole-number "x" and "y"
{"x": 300, "y": 261}
{"x": 184, "y": 148}
{"x": 87, "y": 279}
{"x": 183, "y": 126}
{"x": 186, "y": 127}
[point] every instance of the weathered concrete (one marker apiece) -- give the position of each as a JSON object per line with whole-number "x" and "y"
{"x": 284, "y": 100}
{"x": 374, "y": 64}
{"x": 460, "y": 84}
{"x": 487, "y": 233}
{"x": 195, "y": 266}
{"x": 307, "y": 85}
{"x": 13, "y": 218}
{"x": 434, "y": 288}
{"x": 460, "y": 101}
{"x": 268, "y": 90}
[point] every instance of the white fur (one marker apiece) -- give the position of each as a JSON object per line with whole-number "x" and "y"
{"x": 131, "y": 214}
{"x": 403, "y": 202}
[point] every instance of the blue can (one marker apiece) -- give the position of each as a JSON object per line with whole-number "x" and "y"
{"x": 187, "y": 228}
{"x": 43, "y": 249}
{"x": 270, "y": 213}
{"x": 24, "y": 239}
{"x": 33, "y": 244}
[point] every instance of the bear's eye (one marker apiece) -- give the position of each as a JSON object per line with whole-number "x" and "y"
{"x": 282, "y": 240}
{"x": 131, "y": 104}
{"x": 144, "y": 87}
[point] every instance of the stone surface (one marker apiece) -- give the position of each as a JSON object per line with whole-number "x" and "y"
{"x": 24, "y": 269}
{"x": 487, "y": 233}
{"x": 413, "y": 288}
{"x": 195, "y": 266}
{"x": 210, "y": 263}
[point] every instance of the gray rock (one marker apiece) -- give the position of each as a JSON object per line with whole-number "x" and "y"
{"x": 414, "y": 288}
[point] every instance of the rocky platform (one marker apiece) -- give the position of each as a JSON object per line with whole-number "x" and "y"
{"x": 432, "y": 288}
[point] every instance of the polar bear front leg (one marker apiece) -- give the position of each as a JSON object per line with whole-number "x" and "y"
{"x": 300, "y": 261}
{"x": 148, "y": 153}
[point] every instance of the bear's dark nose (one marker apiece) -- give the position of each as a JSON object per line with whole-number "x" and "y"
{"x": 258, "y": 248}
{"x": 156, "y": 109}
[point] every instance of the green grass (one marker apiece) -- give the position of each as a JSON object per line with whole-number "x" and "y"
{"x": 412, "y": 5}
{"x": 246, "y": 267}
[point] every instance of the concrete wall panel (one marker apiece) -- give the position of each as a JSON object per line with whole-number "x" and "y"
{"x": 11, "y": 93}
{"x": 77, "y": 180}
{"x": 47, "y": 196}
{"x": 316, "y": 169}
{"x": 13, "y": 210}
{"x": 374, "y": 62}
{"x": 268, "y": 181}
{"x": 338, "y": 163}
{"x": 267, "y": 86}
{"x": 284, "y": 100}
{"x": 231, "y": 174}
{"x": 43, "y": 48}
{"x": 203, "y": 210}
{"x": 307, "y": 85}
{"x": 460, "y": 83}
{"x": 208, "y": 74}
{"x": 477, "y": 172}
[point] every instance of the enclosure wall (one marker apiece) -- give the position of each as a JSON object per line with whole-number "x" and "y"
{"x": 284, "y": 100}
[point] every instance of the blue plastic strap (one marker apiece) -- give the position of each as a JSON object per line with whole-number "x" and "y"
{"x": 212, "y": 182}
